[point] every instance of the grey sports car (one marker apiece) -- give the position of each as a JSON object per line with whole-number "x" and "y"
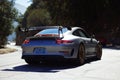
{"x": 60, "y": 43}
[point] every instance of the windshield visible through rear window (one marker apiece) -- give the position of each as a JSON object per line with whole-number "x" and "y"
{"x": 52, "y": 31}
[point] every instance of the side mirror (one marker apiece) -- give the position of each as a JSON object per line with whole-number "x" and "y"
{"x": 92, "y": 37}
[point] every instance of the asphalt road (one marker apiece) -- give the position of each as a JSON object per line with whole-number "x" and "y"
{"x": 12, "y": 67}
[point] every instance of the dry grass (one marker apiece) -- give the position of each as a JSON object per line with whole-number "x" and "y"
{"x": 6, "y": 50}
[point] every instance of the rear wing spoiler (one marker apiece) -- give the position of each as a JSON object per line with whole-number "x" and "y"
{"x": 43, "y": 27}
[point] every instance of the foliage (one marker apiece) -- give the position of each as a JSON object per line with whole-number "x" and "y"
{"x": 7, "y": 15}
{"x": 99, "y": 16}
{"x": 38, "y": 17}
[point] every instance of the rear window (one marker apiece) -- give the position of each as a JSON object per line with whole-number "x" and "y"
{"x": 52, "y": 31}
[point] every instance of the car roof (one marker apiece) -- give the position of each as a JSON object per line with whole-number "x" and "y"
{"x": 74, "y": 28}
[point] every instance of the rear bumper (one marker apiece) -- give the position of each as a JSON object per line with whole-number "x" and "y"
{"x": 44, "y": 58}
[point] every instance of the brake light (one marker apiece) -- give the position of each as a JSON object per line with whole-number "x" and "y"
{"x": 63, "y": 41}
{"x": 26, "y": 41}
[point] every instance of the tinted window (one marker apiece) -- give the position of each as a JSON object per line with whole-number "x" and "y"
{"x": 85, "y": 34}
{"x": 51, "y": 31}
{"x": 76, "y": 33}
{"x": 80, "y": 33}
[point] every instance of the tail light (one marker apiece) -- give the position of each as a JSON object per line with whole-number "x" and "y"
{"x": 63, "y": 41}
{"x": 26, "y": 41}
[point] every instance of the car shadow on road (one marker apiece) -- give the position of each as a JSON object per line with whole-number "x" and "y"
{"x": 113, "y": 48}
{"x": 47, "y": 67}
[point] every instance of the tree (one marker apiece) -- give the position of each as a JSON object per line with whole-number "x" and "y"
{"x": 7, "y": 16}
{"x": 38, "y": 17}
{"x": 37, "y": 13}
{"x": 99, "y": 16}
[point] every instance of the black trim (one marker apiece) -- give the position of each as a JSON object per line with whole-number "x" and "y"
{"x": 43, "y": 58}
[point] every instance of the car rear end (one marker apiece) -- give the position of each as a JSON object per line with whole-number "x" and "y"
{"x": 50, "y": 46}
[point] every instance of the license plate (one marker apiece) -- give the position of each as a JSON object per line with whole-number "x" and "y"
{"x": 39, "y": 50}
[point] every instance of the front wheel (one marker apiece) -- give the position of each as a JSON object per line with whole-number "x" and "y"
{"x": 81, "y": 54}
{"x": 98, "y": 52}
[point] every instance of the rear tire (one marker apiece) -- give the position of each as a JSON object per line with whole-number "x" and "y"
{"x": 31, "y": 62}
{"x": 98, "y": 52}
{"x": 81, "y": 55}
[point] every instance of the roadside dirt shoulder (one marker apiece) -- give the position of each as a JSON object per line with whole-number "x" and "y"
{"x": 6, "y": 50}
{"x": 9, "y": 48}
